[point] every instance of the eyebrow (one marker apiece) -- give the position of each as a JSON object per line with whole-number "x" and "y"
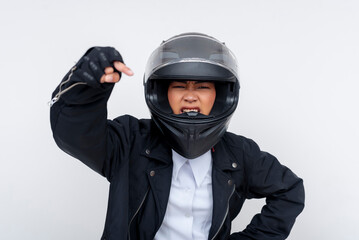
{"x": 195, "y": 82}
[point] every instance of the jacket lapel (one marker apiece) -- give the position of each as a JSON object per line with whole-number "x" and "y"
{"x": 159, "y": 173}
{"x": 222, "y": 186}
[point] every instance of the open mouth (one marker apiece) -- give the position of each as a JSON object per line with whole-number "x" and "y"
{"x": 187, "y": 110}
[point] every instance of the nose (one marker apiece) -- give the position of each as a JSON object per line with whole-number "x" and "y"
{"x": 190, "y": 96}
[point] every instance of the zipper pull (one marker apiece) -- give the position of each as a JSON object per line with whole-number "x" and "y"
{"x": 53, "y": 101}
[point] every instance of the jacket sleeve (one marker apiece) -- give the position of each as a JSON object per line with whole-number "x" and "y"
{"x": 81, "y": 129}
{"x": 284, "y": 193}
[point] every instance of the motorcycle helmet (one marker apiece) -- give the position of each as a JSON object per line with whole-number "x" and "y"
{"x": 192, "y": 57}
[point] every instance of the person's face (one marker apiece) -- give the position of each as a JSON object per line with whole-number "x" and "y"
{"x": 186, "y": 96}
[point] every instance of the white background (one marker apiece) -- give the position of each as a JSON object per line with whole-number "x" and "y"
{"x": 299, "y": 100}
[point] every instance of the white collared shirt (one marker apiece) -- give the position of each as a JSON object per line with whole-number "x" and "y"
{"x": 189, "y": 209}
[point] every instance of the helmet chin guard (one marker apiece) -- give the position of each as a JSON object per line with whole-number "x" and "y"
{"x": 192, "y": 57}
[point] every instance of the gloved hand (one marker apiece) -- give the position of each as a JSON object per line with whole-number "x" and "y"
{"x": 100, "y": 65}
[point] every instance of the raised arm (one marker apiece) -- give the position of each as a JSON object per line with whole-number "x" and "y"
{"x": 79, "y": 107}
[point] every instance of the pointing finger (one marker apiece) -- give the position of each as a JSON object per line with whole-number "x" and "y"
{"x": 123, "y": 68}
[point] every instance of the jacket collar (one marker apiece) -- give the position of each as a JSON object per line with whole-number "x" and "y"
{"x": 158, "y": 149}
{"x": 223, "y": 158}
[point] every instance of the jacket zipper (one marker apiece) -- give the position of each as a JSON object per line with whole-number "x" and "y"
{"x": 225, "y": 216}
{"x": 58, "y": 95}
{"x": 138, "y": 209}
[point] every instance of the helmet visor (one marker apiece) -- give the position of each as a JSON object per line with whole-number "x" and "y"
{"x": 188, "y": 49}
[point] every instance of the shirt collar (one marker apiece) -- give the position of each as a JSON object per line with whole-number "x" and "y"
{"x": 200, "y": 165}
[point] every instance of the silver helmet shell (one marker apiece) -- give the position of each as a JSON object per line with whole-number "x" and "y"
{"x": 192, "y": 57}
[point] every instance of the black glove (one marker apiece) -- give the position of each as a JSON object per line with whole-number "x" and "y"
{"x": 91, "y": 66}
{"x": 87, "y": 71}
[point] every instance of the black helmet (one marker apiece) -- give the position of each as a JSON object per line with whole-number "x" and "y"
{"x": 194, "y": 57}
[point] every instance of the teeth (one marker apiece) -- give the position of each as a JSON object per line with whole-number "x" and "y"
{"x": 190, "y": 110}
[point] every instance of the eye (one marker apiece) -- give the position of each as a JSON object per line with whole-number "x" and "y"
{"x": 177, "y": 85}
{"x": 202, "y": 87}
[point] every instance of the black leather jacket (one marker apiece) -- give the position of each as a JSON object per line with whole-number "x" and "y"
{"x": 137, "y": 162}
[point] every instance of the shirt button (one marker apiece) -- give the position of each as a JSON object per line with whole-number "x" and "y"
{"x": 152, "y": 173}
{"x": 148, "y": 151}
{"x": 187, "y": 215}
{"x": 230, "y": 182}
{"x": 234, "y": 165}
